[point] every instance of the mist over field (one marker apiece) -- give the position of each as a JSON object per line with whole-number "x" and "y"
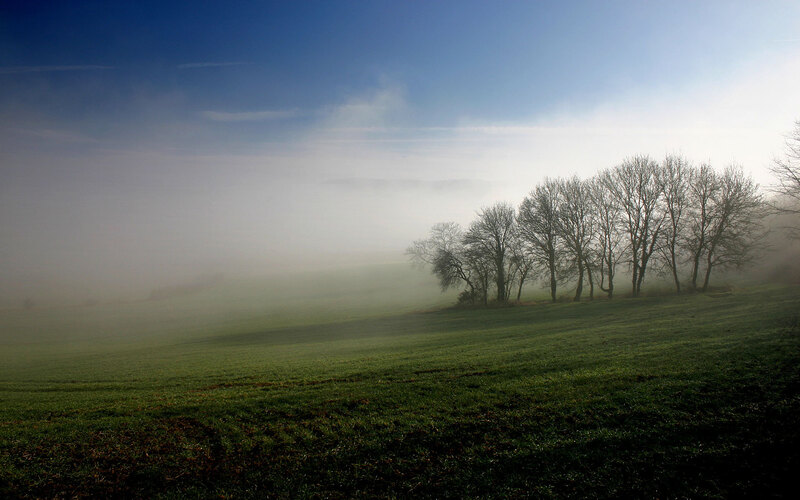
{"x": 123, "y": 177}
{"x": 391, "y": 250}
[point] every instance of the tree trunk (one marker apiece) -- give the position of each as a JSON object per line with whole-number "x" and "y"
{"x": 709, "y": 264}
{"x": 640, "y": 280}
{"x": 553, "y": 280}
{"x": 610, "y": 273}
{"x": 696, "y": 267}
{"x": 591, "y": 281}
{"x": 501, "y": 281}
{"x": 675, "y": 269}
{"x": 522, "y": 277}
{"x": 579, "y": 288}
{"x": 646, "y": 253}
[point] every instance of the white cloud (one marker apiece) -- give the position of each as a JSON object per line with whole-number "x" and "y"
{"x": 737, "y": 119}
{"x": 373, "y": 111}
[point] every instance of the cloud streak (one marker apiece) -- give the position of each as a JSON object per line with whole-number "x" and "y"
{"x": 196, "y": 65}
{"x": 361, "y": 183}
{"x": 250, "y": 116}
{"x": 15, "y": 70}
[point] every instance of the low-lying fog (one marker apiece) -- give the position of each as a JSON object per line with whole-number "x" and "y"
{"x": 109, "y": 207}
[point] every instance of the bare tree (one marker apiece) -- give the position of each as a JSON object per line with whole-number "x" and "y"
{"x": 634, "y": 184}
{"x": 443, "y": 236}
{"x": 609, "y": 237}
{"x": 452, "y": 268}
{"x": 537, "y": 221}
{"x": 735, "y": 228}
{"x": 674, "y": 178}
{"x": 574, "y": 223}
{"x": 445, "y": 252}
{"x": 703, "y": 187}
{"x": 521, "y": 265}
{"x": 491, "y": 235}
{"x": 787, "y": 173}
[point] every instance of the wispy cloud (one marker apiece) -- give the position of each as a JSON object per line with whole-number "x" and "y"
{"x": 13, "y": 70}
{"x": 250, "y": 116}
{"x": 195, "y": 65}
{"x": 409, "y": 184}
{"x": 54, "y": 135}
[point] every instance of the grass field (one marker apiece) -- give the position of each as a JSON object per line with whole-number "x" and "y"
{"x": 673, "y": 396}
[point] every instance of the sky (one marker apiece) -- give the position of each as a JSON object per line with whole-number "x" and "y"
{"x": 143, "y": 143}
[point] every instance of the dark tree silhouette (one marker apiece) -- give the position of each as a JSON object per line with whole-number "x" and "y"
{"x": 735, "y": 229}
{"x": 575, "y": 226}
{"x": 537, "y": 221}
{"x": 635, "y": 186}
{"x": 703, "y": 187}
{"x": 450, "y": 262}
{"x": 608, "y": 222}
{"x": 674, "y": 176}
{"x": 490, "y": 236}
{"x": 787, "y": 174}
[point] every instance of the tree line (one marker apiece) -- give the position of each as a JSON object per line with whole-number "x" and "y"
{"x": 669, "y": 217}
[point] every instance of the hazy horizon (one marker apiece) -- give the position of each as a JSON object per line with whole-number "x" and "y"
{"x": 140, "y": 150}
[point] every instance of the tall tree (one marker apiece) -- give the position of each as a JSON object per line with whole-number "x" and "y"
{"x": 538, "y": 228}
{"x": 787, "y": 173}
{"x": 635, "y": 186}
{"x": 736, "y": 215}
{"x": 674, "y": 177}
{"x": 574, "y": 223}
{"x": 703, "y": 187}
{"x": 609, "y": 237}
{"x": 490, "y": 235}
{"x": 521, "y": 265}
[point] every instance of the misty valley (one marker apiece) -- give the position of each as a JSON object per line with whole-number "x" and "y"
{"x": 450, "y": 250}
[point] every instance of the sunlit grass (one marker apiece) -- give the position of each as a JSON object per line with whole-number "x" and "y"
{"x": 695, "y": 395}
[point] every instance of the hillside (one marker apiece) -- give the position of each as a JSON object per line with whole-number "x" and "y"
{"x": 695, "y": 395}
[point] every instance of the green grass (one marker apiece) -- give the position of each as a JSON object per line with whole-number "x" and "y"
{"x": 672, "y": 396}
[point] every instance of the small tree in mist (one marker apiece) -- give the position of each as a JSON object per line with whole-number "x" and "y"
{"x": 635, "y": 186}
{"x": 737, "y": 210}
{"x": 522, "y": 265}
{"x": 444, "y": 236}
{"x": 674, "y": 177}
{"x": 482, "y": 266}
{"x": 787, "y": 173}
{"x": 450, "y": 262}
{"x": 538, "y": 228}
{"x": 452, "y": 267}
{"x": 490, "y": 236}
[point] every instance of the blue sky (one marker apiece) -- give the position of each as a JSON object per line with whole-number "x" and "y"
{"x": 499, "y": 62}
{"x": 157, "y": 138}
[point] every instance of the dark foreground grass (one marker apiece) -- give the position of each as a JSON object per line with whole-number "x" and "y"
{"x": 667, "y": 397}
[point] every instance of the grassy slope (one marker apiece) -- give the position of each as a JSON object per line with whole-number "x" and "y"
{"x": 662, "y": 396}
